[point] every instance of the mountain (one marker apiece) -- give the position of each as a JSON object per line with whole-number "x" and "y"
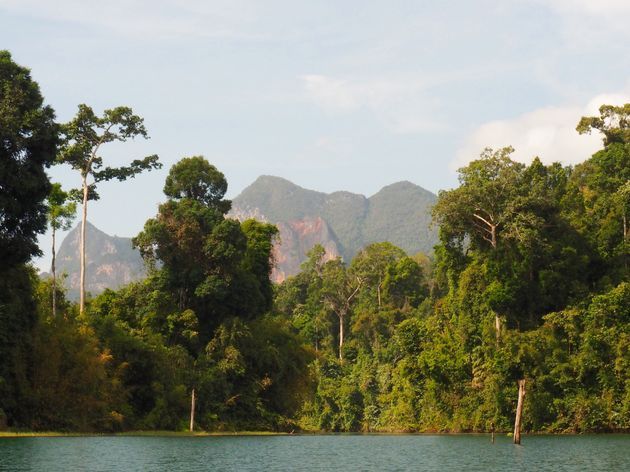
{"x": 342, "y": 222}
{"x": 111, "y": 262}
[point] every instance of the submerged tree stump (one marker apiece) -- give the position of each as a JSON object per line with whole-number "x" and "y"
{"x": 519, "y": 411}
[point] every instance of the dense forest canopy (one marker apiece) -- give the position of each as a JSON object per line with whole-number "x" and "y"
{"x": 529, "y": 282}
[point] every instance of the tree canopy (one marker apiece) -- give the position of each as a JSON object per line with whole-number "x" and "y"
{"x": 529, "y": 282}
{"x": 29, "y": 139}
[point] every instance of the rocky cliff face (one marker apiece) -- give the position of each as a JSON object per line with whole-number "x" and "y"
{"x": 111, "y": 262}
{"x": 297, "y": 237}
{"x": 342, "y": 222}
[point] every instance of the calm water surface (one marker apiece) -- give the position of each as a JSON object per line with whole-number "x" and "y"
{"x": 332, "y": 452}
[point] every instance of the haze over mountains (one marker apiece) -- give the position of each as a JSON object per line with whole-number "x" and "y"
{"x": 342, "y": 222}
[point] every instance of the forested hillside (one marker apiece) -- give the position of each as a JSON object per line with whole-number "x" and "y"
{"x": 529, "y": 282}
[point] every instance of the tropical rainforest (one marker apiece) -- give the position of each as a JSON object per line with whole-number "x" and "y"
{"x": 528, "y": 282}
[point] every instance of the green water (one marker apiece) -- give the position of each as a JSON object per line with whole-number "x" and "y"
{"x": 327, "y": 452}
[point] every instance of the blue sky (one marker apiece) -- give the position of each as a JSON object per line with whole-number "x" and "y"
{"x": 332, "y": 95}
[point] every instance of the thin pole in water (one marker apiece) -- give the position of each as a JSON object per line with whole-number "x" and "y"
{"x": 519, "y": 412}
{"x": 192, "y": 411}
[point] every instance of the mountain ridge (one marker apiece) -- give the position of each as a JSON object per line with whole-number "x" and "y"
{"x": 343, "y": 222}
{"x": 398, "y": 212}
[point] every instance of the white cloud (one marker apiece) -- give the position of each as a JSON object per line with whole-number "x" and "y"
{"x": 548, "y": 133}
{"x": 400, "y": 103}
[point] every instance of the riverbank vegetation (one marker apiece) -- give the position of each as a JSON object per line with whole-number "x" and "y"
{"x": 529, "y": 282}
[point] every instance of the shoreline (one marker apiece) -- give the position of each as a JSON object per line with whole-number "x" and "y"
{"x": 201, "y": 434}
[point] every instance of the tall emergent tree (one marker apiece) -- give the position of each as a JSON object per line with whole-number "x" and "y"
{"x": 28, "y": 144}
{"x": 84, "y": 136}
{"x": 213, "y": 266}
{"x": 339, "y": 289}
{"x": 61, "y": 213}
{"x": 604, "y": 184}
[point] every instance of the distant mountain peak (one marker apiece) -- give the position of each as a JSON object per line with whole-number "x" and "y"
{"x": 111, "y": 261}
{"x": 343, "y": 222}
{"x": 399, "y": 213}
{"x": 404, "y": 186}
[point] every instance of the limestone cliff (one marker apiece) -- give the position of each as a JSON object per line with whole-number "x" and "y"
{"x": 111, "y": 262}
{"x": 343, "y": 222}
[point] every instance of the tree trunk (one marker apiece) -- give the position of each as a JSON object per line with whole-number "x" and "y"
{"x": 54, "y": 279}
{"x": 82, "y": 247}
{"x": 493, "y": 235}
{"x": 378, "y": 291}
{"x": 497, "y": 327}
{"x": 519, "y": 412}
{"x": 192, "y": 411}
{"x": 341, "y": 337}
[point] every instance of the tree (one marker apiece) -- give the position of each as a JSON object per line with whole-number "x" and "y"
{"x": 371, "y": 263}
{"x": 339, "y": 289}
{"x": 483, "y": 205}
{"x": 404, "y": 283}
{"x": 613, "y": 122}
{"x": 196, "y": 179}
{"x": 84, "y": 136}
{"x": 602, "y": 186}
{"x": 213, "y": 265}
{"x": 28, "y": 143}
{"x": 259, "y": 260}
{"x": 61, "y": 213}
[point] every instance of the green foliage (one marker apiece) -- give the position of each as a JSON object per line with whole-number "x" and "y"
{"x": 214, "y": 266}
{"x": 196, "y": 179}
{"x": 529, "y": 281}
{"x": 18, "y": 317}
{"x": 29, "y": 138}
{"x": 543, "y": 248}
{"x": 253, "y": 376}
{"x": 61, "y": 211}
{"x": 28, "y": 143}
{"x": 613, "y": 122}
{"x": 87, "y": 132}
{"x": 72, "y": 385}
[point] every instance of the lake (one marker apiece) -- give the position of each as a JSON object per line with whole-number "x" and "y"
{"x": 316, "y": 452}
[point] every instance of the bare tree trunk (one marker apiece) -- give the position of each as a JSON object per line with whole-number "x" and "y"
{"x": 625, "y": 236}
{"x": 493, "y": 235}
{"x": 378, "y": 291}
{"x": 519, "y": 411}
{"x": 497, "y": 327}
{"x": 192, "y": 411}
{"x": 54, "y": 277}
{"x": 82, "y": 247}
{"x": 341, "y": 337}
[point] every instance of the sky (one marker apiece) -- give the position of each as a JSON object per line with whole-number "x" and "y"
{"x": 332, "y": 95}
